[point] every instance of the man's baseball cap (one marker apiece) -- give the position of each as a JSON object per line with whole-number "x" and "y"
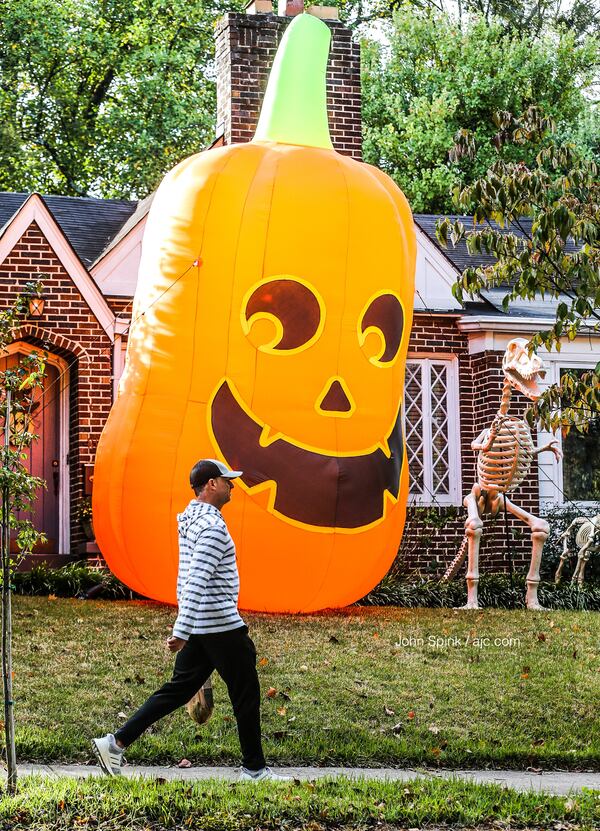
{"x": 207, "y": 469}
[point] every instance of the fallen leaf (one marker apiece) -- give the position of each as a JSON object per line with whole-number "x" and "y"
{"x": 282, "y": 711}
{"x": 303, "y": 668}
{"x": 185, "y": 763}
{"x": 291, "y": 719}
{"x": 524, "y": 675}
{"x": 398, "y": 728}
{"x": 139, "y": 678}
{"x": 52, "y": 597}
{"x": 61, "y": 805}
{"x": 433, "y": 728}
{"x": 388, "y": 712}
{"x": 280, "y": 734}
{"x": 333, "y": 639}
{"x": 437, "y": 751}
{"x": 263, "y": 662}
{"x": 121, "y": 715}
{"x": 271, "y": 692}
{"x": 537, "y": 742}
{"x": 541, "y": 636}
{"x": 284, "y": 695}
{"x": 574, "y": 653}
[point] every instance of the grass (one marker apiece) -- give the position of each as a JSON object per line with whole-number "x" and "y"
{"x": 107, "y": 805}
{"x": 360, "y": 687}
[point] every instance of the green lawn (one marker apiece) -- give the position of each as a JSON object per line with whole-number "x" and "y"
{"x": 136, "y": 805}
{"x": 363, "y": 686}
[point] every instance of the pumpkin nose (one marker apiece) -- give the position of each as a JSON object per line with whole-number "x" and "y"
{"x": 335, "y": 399}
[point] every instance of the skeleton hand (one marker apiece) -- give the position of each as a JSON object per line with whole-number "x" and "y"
{"x": 552, "y": 446}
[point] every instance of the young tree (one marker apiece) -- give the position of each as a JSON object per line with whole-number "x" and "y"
{"x": 18, "y": 387}
{"x": 438, "y": 78}
{"x": 541, "y": 224}
{"x": 102, "y": 97}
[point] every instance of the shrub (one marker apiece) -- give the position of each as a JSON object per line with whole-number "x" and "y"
{"x": 495, "y": 591}
{"x": 73, "y": 580}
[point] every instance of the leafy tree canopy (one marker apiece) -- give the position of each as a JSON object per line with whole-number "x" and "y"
{"x": 531, "y": 16}
{"x": 541, "y": 224}
{"x": 436, "y": 78}
{"x": 100, "y": 97}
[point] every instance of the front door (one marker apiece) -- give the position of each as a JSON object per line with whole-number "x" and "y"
{"x": 43, "y": 456}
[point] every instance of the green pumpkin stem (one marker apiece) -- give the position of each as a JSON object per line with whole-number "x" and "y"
{"x": 294, "y": 109}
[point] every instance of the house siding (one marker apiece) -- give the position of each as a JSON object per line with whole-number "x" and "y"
{"x": 68, "y": 328}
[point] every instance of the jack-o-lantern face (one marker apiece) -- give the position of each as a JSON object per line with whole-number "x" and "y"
{"x": 281, "y": 351}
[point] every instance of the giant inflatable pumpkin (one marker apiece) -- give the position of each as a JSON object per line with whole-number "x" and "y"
{"x": 271, "y": 322}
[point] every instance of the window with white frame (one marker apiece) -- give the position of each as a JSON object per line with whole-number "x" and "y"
{"x": 581, "y": 460}
{"x": 432, "y": 430}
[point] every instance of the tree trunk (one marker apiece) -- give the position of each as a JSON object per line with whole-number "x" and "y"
{"x": 9, "y": 723}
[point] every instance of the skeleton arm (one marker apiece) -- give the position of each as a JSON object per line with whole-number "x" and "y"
{"x": 483, "y": 443}
{"x": 552, "y": 446}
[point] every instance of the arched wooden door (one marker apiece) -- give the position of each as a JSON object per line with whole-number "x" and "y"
{"x": 43, "y": 456}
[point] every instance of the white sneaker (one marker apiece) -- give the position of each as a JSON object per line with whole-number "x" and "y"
{"x": 262, "y": 775}
{"x": 110, "y": 757}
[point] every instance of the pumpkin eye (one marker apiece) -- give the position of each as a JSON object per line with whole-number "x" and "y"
{"x": 380, "y": 328}
{"x": 282, "y": 314}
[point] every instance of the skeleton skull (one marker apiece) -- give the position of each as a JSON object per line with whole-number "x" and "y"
{"x": 523, "y": 369}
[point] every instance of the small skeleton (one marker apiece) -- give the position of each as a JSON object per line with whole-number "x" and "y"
{"x": 505, "y": 454}
{"x": 587, "y": 540}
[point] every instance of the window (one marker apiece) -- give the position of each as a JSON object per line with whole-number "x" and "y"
{"x": 581, "y": 462}
{"x": 432, "y": 431}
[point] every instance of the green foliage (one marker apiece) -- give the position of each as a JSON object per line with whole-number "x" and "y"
{"x": 19, "y": 385}
{"x": 439, "y": 77}
{"x": 102, "y": 98}
{"x": 556, "y": 254}
{"x": 495, "y": 592}
{"x": 72, "y": 580}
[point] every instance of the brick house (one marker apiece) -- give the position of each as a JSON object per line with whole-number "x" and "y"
{"x": 87, "y": 253}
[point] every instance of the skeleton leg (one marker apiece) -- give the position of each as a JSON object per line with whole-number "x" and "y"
{"x": 539, "y": 534}
{"x": 582, "y": 559}
{"x": 473, "y": 531}
{"x": 563, "y": 558}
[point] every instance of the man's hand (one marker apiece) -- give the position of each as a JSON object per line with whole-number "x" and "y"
{"x": 175, "y": 644}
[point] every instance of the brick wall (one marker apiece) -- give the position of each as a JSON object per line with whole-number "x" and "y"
{"x": 432, "y": 536}
{"x": 67, "y": 328}
{"x": 245, "y": 48}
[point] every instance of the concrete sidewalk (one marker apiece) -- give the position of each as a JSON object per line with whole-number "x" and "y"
{"x": 554, "y": 782}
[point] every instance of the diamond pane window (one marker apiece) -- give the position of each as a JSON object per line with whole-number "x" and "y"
{"x": 432, "y": 431}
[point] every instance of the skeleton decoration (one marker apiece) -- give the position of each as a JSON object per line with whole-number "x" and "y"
{"x": 505, "y": 454}
{"x": 587, "y": 541}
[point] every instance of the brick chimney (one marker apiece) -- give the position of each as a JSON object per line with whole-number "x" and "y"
{"x": 245, "y": 48}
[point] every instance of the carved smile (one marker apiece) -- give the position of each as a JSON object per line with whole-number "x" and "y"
{"x": 312, "y": 488}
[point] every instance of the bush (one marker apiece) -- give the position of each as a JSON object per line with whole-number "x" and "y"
{"x": 73, "y": 580}
{"x": 495, "y": 591}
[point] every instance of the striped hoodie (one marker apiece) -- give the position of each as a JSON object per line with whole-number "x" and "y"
{"x": 208, "y": 583}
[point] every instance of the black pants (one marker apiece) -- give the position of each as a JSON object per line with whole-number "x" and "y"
{"x": 233, "y": 655}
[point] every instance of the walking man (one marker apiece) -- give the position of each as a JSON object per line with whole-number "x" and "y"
{"x": 209, "y": 633}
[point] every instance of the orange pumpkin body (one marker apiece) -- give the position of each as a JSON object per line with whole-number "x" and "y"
{"x": 271, "y": 324}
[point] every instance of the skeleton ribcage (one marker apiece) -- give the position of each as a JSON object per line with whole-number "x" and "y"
{"x": 506, "y": 463}
{"x": 585, "y": 534}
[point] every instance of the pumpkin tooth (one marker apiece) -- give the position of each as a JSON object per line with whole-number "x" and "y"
{"x": 266, "y": 438}
{"x": 384, "y": 447}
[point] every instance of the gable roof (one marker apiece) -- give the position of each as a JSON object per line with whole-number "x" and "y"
{"x": 88, "y": 224}
{"x": 459, "y": 256}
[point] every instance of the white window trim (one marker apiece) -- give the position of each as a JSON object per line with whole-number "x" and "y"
{"x": 550, "y": 469}
{"x": 454, "y": 497}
